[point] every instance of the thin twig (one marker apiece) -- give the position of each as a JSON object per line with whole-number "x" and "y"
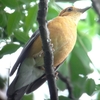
{"x": 68, "y": 85}
{"x": 47, "y": 48}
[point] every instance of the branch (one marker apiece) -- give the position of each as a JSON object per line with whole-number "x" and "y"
{"x": 68, "y": 85}
{"x": 47, "y": 48}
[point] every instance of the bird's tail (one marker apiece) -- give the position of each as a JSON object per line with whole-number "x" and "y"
{"x": 17, "y": 94}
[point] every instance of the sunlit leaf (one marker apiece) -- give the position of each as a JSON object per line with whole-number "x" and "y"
{"x": 10, "y": 3}
{"x": 77, "y": 67}
{"x": 77, "y": 91}
{"x": 90, "y": 86}
{"x": 63, "y": 98}
{"x": 91, "y": 17}
{"x": 28, "y": 97}
{"x": 81, "y": 52}
{"x": 85, "y": 41}
{"x": 82, "y": 27}
{"x": 13, "y": 22}
{"x": 3, "y": 19}
{"x": 30, "y": 18}
{"x": 20, "y": 36}
{"x": 89, "y": 26}
{"x": 27, "y": 1}
{"x": 98, "y": 87}
{"x": 93, "y": 30}
{"x": 8, "y": 49}
{"x": 98, "y": 96}
{"x": 98, "y": 29}
{"x": 52, "y": 11}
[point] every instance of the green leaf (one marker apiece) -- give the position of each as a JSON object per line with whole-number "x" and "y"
{"x": 98, "y": 29}
{"x": 85, "y": 41}
{"x": 77, "y": 67}
{"x": 78, "y": 73}
{"x": 98, "y": 96}
{"x": 20, "y": 36}
{"x": 90, "y": 86}
{"x": 28, "y": 97}
{"x": 91, "y": 16}
{"x": 30, "y": 18}
{"x": 97, "y": 87}
{"x": 61, "y": 85}
{"x": 13, "y": 21}
{"x": 8, "y": 49}
{"x": 27, "y": 1}
{"x": 10, "y": 3}
{"x": 64, "y": 98}
{"x": 82, "y": 27}
{"x": 93, "y": 30}
{"x": 89, "y": 26}
{"x": 77, "y": 90}
{"x": 3, "y": 19}
{"x": 78, "y": 85}
{"x": 53, "y": 11}
{"x": 81, "y": 52}
{"x": 85, "y": 29}
{"x": 63, "y": 69}
{"x": 2, "y": 82}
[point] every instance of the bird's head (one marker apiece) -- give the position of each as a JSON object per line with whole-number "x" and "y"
{"x": 73, "y": 12}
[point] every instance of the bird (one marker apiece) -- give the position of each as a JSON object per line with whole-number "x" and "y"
{"x": 30, "y": 64}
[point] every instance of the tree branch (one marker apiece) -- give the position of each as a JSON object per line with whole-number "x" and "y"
{"x": 68, "y": 85}
{"x": 47, "y": 48}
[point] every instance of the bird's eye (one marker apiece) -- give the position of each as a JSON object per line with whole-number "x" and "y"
{"x": 70, "y": 9}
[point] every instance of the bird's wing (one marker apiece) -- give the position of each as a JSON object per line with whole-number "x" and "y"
{"x": 19, "y": 86}
{"x": 24, "y": 51}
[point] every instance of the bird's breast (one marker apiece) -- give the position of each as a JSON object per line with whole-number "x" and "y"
{"x": 63, "y": 38}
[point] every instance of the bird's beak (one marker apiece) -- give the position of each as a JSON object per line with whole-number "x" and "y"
{"x": 83, "y": 10}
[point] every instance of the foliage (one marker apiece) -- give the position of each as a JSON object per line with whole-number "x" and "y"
{"x": 2, "y": 82}
{"x": 17, "y": 25}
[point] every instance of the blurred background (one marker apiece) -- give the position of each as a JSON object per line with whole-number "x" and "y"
{"x": 18, "y": 22}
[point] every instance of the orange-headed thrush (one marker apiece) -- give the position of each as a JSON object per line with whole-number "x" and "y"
{"x": 31, "y": 74}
